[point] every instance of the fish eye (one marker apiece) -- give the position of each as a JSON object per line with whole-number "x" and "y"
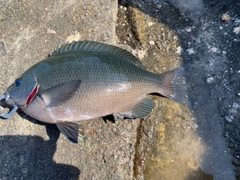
{"x": 18, "y": 82}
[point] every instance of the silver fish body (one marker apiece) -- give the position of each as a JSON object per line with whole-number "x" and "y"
{"x": 85, "y": 80}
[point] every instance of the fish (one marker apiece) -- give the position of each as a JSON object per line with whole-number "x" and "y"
{"x": 84, "y": 80}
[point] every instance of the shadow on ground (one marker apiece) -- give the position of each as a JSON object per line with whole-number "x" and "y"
{"x": 31, "y": 157}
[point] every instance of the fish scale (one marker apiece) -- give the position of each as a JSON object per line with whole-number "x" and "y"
{"x": 91, "y": 67}
{"x": 85, "y": 80}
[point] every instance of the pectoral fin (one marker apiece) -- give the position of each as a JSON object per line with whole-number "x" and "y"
{"x": 71, "y": 130}
{"x": 140, "y": 110}
{"x": 58, "y": 94}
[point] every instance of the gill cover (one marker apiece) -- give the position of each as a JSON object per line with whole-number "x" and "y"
{"x": 22, "y": 91}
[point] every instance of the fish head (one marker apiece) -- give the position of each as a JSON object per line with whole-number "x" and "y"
{"x": 22, "y": 91}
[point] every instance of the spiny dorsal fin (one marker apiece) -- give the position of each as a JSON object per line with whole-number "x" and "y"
{"x": 97, "y": 47}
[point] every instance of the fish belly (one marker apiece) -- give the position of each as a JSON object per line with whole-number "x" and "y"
{"x": 96, "y": 106}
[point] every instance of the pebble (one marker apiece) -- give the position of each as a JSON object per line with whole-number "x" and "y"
{"x": 190, "y": 51}
{"x": 226, "y": 17}
{"x": 210, "y": 80}
{"x": 228, "y": 118}
{"x": 151, "y": 42}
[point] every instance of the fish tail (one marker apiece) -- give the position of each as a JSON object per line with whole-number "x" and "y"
{"x": 173, "y": 85}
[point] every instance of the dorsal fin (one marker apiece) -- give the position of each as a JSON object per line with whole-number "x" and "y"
{"x": 97, "y": 47}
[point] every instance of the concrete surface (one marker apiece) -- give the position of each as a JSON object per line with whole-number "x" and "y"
{"x": 173, "y": 142}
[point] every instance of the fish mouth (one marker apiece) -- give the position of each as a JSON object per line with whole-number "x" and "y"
{"x": 9, "y": 101}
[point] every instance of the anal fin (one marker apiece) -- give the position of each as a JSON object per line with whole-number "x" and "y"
{"x": 140, "y": 110}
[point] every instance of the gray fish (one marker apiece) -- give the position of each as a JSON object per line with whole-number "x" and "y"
{"x": 85, "y": 80}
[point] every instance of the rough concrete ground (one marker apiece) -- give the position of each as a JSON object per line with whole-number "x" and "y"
{"x": 173, "y": 141}
{"x": 209, "y": 51}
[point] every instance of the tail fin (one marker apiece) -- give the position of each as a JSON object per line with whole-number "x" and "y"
{"x": 174, "y": 85}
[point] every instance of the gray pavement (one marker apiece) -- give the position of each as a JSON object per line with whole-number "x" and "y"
{"x": 174, "y": 141}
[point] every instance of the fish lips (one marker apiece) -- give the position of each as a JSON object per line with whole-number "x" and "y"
{"x": 8, "y": 99}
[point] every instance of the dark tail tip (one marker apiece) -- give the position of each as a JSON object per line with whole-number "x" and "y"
{"x": 174, "y": 85}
